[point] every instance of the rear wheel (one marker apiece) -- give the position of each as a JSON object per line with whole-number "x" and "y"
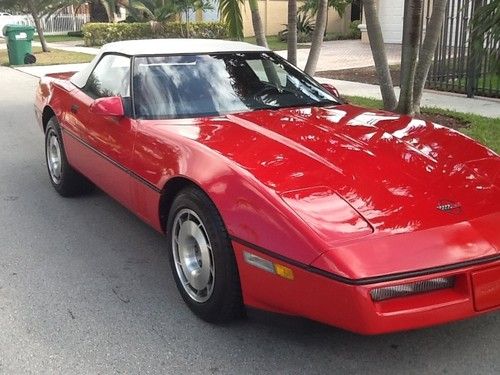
{"x": 202, "y": 258}
{"x": 65, "y": 180}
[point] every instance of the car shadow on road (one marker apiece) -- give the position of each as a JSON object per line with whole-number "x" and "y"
{"x": 128, "y": 262}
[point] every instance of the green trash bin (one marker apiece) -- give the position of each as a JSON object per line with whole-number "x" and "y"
{"x": 19, "y": 38}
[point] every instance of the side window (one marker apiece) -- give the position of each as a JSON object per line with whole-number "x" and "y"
{"x": 111, "y": 77}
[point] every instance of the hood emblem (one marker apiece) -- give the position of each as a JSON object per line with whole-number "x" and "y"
{"x": 450, "y": 207}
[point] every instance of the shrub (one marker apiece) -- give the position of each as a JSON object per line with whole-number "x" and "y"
{"x": 305, "y": 27}
{"x": 354, "y": 32}
{"x": 97, "y": 34}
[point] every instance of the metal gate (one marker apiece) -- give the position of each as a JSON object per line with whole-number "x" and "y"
{"x": 461, "y": 64}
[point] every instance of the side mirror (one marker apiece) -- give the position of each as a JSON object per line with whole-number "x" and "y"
{"x": 112, "y": 106}
{"x": 331, "y": 89}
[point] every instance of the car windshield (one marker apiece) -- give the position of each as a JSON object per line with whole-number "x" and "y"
{"x": 219, "y": 84}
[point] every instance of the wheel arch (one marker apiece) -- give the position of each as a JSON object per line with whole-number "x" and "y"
{"x": 47, "y": 114}
{"x": 171, "y": 188}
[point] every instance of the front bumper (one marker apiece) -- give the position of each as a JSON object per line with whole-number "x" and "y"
{"x": 318, "y": 297}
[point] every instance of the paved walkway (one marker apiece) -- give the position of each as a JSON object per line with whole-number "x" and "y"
{"x": 70, "y": 47}
{"x": 345, "y": 54}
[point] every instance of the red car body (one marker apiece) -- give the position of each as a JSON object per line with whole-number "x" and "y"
{"x": 349, "y": 199}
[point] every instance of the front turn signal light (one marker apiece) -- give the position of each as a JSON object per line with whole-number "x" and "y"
{"x": 267, "y": 265}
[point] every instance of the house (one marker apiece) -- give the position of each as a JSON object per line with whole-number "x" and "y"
{"x": 274, "y": 14}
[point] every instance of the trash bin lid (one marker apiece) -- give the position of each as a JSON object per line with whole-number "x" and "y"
{"x": 13, "y": 28}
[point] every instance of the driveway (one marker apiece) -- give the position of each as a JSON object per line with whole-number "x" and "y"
{"x": 346, "y": 54}
{"x": 85, "y": 288}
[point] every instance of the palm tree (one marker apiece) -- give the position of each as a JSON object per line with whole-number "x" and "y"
{"x": 409, "y": 53}
{"x": 291, "y": 36}
{"x": 317, "y": 37}
{"x": 379, "y": 54}
{"x": 151, "y": 10}
{"x": 409, "y": 102}
{"x": 111, "y": 7}
{"x": 258, "y": 27}
{"x": 487, "y": 20}
{"x": 231, "y": 14}
{"x": 230, "y": 11}
{"x": 97, "y": 7}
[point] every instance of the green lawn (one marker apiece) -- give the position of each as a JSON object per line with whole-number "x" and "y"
{"x": 484, "y": 82}
{"x": 53, "y": 57}
{"x": 273, "y": 42}
{"x": 484, "y": 129}
{"x": 59, "y": 38}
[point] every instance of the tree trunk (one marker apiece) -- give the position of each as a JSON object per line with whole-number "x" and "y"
{"x": 291, "y": 36}
{"x": 379, "y": 54}
{"x": 187, "y": 24}
{"x": 317, "y": 37}
{"x": 97, "y": 12}
{"x": 427, "y": 50}
{"x": 409, "y": 53}
{"x": 38, "y": 26}
{"x": 110, "y": 11}
{"x": 258, "y": 28}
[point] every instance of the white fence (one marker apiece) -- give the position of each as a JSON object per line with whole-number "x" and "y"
{"x": 55, "y": 24}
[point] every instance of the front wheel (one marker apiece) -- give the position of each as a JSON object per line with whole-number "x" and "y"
{"x": 202, "y": 258}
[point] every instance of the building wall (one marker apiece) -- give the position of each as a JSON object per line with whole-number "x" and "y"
{"x": 274, "y": 14}
{"x": 391, "y": 13}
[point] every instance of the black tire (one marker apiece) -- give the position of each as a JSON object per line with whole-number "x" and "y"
{"x": 67, "y": 182}
{"x": 225, "y": 301}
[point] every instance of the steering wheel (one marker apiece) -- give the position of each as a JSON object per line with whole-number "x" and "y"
{"x": 267, "y": 89}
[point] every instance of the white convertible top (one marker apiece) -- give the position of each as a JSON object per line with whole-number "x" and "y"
{"x": 178, "y": 46}
{"x": 164, "y": 47}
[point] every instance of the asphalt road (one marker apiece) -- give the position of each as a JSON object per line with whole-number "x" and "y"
{"x": 85, "y": 288}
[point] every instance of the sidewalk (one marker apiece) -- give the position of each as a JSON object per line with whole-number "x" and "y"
{"x": 65, "y": 46}
{"x": 487, "y": 107}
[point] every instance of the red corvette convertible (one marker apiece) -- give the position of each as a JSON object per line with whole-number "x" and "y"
{"x": 275, "y": 194}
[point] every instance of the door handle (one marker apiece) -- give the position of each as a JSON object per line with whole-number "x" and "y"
{"x": 74, "y": 108}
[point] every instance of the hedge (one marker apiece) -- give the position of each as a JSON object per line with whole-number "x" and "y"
{"x": 97, "y": 34}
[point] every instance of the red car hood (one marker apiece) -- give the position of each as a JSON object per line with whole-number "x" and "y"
{"x": 349, "y": 172}
{"x": 401, "y": 174}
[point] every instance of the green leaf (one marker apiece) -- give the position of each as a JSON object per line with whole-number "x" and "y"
{"x": 230, "y": 11}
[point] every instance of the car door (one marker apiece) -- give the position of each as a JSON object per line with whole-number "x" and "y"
{"x": 105, "y": 142}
